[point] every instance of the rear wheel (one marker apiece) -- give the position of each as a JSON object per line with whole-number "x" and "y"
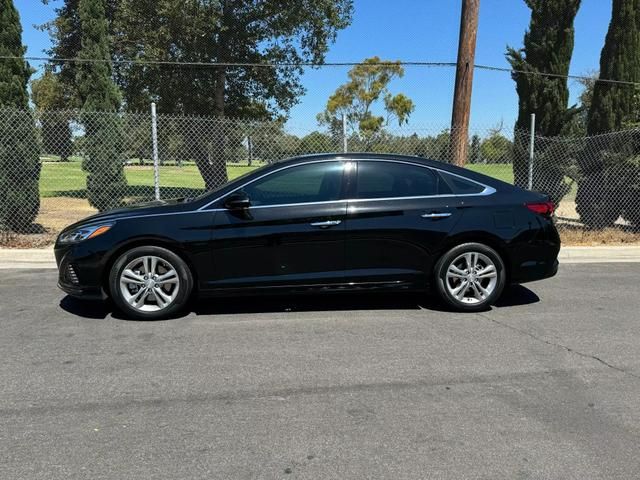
{"x": 470, "y": 277}
{"x": 150, "y": 283}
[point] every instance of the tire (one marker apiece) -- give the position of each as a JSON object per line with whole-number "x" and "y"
{"x": 481, "y": 291}
{"x": 149, "y": 290}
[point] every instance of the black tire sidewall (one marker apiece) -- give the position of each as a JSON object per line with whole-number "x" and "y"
{"x": 184, "y": 274}
{"x": 449, "y": 256}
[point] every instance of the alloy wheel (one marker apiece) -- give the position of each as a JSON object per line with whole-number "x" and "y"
{"x": 149, "y": 283}
{"x": 471, "y": 278}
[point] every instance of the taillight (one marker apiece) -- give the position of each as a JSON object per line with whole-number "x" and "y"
{"x": 542, "y": 208}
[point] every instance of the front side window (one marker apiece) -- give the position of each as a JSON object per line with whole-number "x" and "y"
{"x": 392, "y": 180}
{"x": 314, "y": 182}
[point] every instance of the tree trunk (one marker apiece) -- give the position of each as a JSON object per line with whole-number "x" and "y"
{"x": 203, "y": 133}
{"x": 218, "y": 94}
{"x": 212, "y": 161}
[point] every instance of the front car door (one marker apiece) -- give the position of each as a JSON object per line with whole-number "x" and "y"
{"x": 399, "y": 214}
{"x": 293, "y": 233}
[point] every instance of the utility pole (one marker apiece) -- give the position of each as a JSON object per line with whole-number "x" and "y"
{"x": 464, "y": 81}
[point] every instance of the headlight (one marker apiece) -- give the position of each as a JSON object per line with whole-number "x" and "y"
{"x": 83, "y": 233}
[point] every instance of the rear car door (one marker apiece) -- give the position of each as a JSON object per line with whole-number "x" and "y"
{"x": 293, "y": 233}
{"x": 398, "y": 216}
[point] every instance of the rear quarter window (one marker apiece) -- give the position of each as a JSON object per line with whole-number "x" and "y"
{"x": 460, "y": 185}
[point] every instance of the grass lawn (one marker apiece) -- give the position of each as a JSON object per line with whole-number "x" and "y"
{"x": 501, "y": 171}
{"x": 67, "y": 179}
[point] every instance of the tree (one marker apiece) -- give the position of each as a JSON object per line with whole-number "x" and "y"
{"x": 19, "y": 161}
{"x": 475, "y": 151}
{"x": 65, "y": 31}
{"x": 211, "y": 31}
{"x": 50, "y": 98}
{"x": 610, "y": 163}
{"x": 496, "y": 148}
{"x": 613, "y": 103}
{"x": 270, "y": 143}
{"x": 548, "y": 46}
{"x": 368, "y": 83}
{"x": 316, "y": 142}
{"x": 104, "y": 146}
{"x": 435, "y": 148}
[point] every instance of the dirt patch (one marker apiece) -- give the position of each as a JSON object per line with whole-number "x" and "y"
{"x": 567, "y": 209}
{"x": 580, "y": 236}
{"x": 58, "y": 212}
{"x": 55, "y": 214}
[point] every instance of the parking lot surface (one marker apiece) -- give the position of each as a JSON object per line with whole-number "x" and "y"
{"x": 545, "y": 385}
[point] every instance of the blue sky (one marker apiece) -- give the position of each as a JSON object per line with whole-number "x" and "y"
{"x": 417, "y": 30}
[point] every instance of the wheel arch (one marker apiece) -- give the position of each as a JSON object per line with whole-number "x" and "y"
{"x": 486, "y": 238}
{"x": 147, "y": 241}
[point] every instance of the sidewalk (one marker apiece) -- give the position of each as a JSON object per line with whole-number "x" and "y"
{"x": 43, "y": 257}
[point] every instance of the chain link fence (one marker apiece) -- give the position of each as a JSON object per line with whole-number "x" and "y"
{"x": 57, "y": 167}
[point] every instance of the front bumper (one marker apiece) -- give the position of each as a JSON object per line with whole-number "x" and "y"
{"x": 79, "y": 272}
{"x": 89, "y": 293}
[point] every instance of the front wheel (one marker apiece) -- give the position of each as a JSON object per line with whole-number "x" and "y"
{"x": 150, "y": 283}
{"x": 470, "y": 277}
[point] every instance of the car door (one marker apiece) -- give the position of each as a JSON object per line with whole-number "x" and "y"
{"x": 292, "y": 233}
{"x": 398, "y": 216}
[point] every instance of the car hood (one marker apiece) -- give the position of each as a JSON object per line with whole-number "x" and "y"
{"x": 156, "y": 206}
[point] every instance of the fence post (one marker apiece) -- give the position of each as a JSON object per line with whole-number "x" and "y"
{"x": 154, "y": 147}
{"x": 344, "y": 133}
{"x": 532, "y": 150}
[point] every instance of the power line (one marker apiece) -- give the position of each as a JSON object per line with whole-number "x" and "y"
{"x": 309, "y": 64}
{"x": 223, "y": 64}
{"x": 554, "y": 75}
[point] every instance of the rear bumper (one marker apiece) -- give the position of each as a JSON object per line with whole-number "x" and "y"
{"x": 535, "y": 270}
{"x": 535, "y": 255}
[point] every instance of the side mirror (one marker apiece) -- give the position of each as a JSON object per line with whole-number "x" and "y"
{"x": 237, "y": 201}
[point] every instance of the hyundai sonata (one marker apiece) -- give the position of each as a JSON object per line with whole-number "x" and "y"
{"x": 331, "y": 222}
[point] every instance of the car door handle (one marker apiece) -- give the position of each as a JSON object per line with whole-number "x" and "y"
{"x": 435, "y": 215}
{"x": 327, "y": 224}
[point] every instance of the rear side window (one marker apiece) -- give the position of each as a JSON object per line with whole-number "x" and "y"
{"x": 461, "y": 186}
{"x": 392, "y": 180}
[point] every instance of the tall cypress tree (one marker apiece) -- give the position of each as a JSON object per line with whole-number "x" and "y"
{"x": 104, "y": 145}
{"x": 19, "y": 161}
{"x": 548, "y": 46}
{"x": 610, "y": 163}
{"x": 613, "y": 103}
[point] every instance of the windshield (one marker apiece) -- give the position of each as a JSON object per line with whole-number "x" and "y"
{"x": 238, "y": 179}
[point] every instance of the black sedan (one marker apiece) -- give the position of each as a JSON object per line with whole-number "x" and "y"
{"x": 332, "y": 222}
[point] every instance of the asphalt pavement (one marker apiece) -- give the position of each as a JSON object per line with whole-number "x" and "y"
{"x": 544, "y": 386}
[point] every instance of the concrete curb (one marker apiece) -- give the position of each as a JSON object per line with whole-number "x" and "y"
{"x": 27, "y": 258}
{"x": 43, "y": 257}
{"x": 602, "y": 254}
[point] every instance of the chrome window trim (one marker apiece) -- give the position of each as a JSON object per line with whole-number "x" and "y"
{"x": 487, "y": 190}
